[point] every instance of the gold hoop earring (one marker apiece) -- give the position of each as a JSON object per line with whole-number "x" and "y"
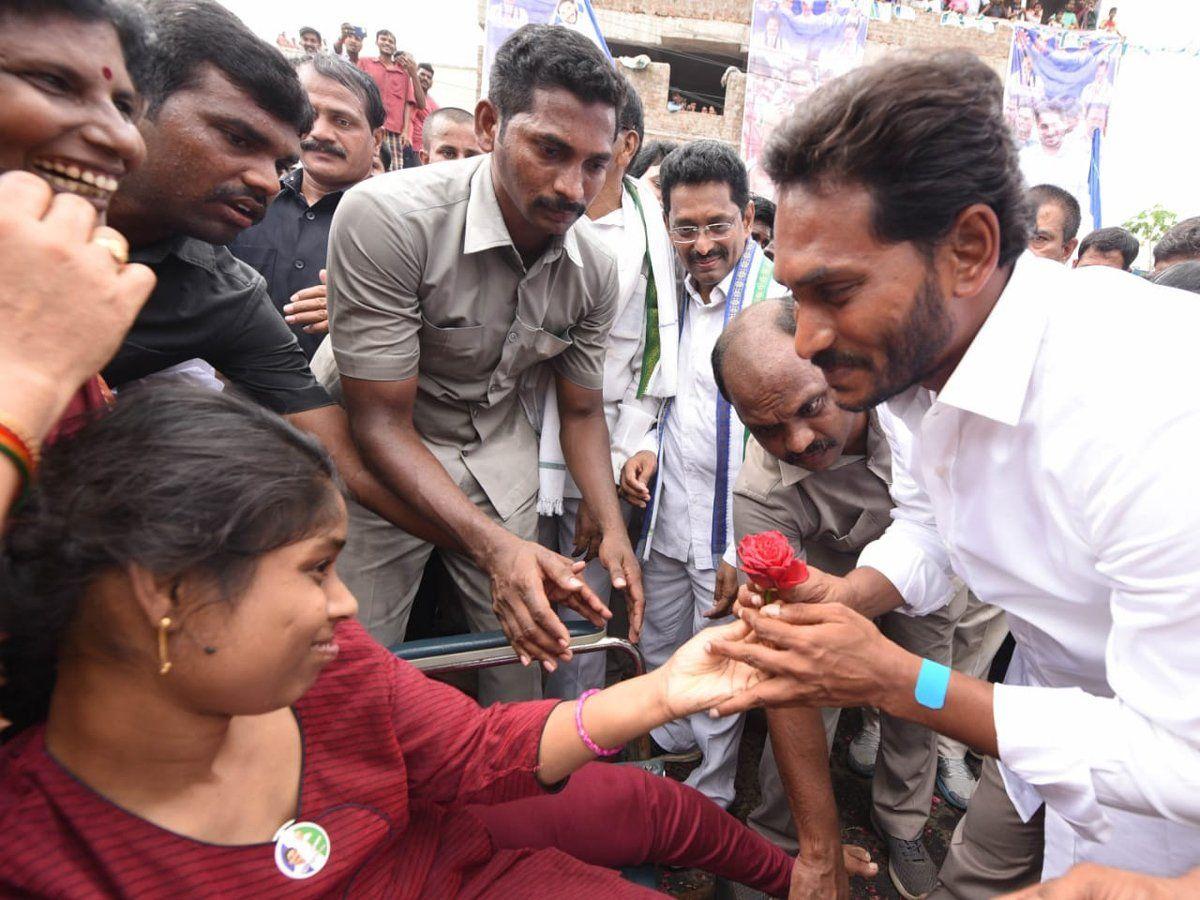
{"x": 164, "y": 662}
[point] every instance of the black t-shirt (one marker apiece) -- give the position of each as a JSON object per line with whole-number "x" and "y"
{"x": 288, "y": 247}
{"x": 208, "y": 305}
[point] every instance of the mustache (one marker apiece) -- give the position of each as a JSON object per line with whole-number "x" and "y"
{"x": 233, "y": 193}
{"x": 716, "y": 252}
{"x": 310, "y": 146}
{"x": 834, "y": 359}
{"x": 559, "y": 205}
{"x": 813, "y": 449}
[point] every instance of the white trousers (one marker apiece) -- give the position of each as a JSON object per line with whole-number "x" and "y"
{"x": 677, "y": 594}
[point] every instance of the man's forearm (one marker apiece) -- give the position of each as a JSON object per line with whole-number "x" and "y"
{"x": 871, "y": 593}
{"x": 967, "y": 714}
{"x": 427, "y": 504}
{"x": 585, "y": 445}
{"x": 801, "y": 752}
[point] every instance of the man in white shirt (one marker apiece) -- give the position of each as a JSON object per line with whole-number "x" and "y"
{"x": 1042, "y": 425}
{"x": 698, "y": 444}
{"x": 627, "y": 219}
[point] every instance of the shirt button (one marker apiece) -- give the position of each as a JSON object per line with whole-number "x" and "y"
{"x": 299, "y": 264}
{"x": 512, "y": 337}
{"x": 310, "y": 215}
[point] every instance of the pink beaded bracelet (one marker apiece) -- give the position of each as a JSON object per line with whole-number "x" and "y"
{"x": 583, "y": 735}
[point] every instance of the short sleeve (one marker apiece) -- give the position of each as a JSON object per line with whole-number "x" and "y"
{"x": 373, "y": 274}
{"x": 583, "y": 362}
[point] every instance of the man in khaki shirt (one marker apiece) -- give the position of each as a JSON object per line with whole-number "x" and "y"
{"x": 449, "y": 287}
{"x": 819, "y": 475}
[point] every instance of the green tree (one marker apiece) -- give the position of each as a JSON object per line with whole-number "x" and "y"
{"x": 1151, "y": 224}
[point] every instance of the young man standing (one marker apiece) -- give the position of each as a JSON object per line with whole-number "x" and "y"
{"x": 425, "y": 104}
{"x": 1007, "y": 470}
{"x": 696, "y": 450}
{"x": 449, "y": 288}
{"x": 399, "y": 99}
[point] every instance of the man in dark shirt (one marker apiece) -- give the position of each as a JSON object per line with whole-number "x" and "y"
{"x": 225, "y": 114}
{"x": 288, "y": 247}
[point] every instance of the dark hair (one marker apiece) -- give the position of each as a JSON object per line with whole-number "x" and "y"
{"x": 129, "y": 21}
{"x": 309, "y": 30}
{"x": 1106, "y": 240}
{"x": 195, "y": 33}
{"x": 354, "y": 80}
{"x": 426, "y": 66}
{"x": 764, "y": 210}
{"x": 383, "y": 31}
{"x": 549, "y": 56}
{"x": 631, "y": 117}
{"x": 1041, "y": 194}
{"x": 1181, "y": 241}
{"x": 184, "y": 482}
{"x": 1184, "y": 275}
{"x": 784, "y": 320}
{"x": 700, "y": 162}
{"x": 926, "y": 136}
{"x": 651, "y": 153}
{"x": 385, "y": 156}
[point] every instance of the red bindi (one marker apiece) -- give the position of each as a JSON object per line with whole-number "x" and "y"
{"x": 107, "y": 73}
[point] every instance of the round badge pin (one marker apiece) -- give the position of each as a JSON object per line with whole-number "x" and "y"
{"x": 301, "y": 849}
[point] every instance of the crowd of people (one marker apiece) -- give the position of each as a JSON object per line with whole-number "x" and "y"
{"x": 254, "y": 380}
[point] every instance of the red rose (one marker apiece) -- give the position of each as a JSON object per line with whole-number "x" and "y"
{"x": 768, "y": 560}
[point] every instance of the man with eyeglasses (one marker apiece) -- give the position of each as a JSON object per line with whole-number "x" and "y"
{"x": 696, "y": 449}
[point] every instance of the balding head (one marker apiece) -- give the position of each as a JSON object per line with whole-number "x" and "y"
{"x": 449, "y": 133}
{"x": 781, "y": 398}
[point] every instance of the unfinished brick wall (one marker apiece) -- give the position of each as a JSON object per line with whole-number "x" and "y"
{"x": 926, "y": 33}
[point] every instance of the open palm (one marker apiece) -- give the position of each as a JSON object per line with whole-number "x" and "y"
{"x": 698, "y": 680}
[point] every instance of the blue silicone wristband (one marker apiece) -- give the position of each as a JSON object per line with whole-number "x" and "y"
{"x": 932, "y": 684}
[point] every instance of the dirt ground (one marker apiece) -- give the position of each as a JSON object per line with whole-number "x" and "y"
{"x": 854, "y": 803}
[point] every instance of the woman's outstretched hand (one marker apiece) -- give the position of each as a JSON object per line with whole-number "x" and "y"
{"x": 695, "y": 680}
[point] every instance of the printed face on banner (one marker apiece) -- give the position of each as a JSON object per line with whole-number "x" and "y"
{"x": 794, "y": 48}
{"x": 1056, "y": 99}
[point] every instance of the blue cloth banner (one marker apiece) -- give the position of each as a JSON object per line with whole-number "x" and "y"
{"x": 1056, "y": 99}
{"x": 795, "y": 47}
{"x": 506, "y": 16}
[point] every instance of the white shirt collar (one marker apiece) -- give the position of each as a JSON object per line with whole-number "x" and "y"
{"x": 719, "y": 292}
{"x": 992, "y": 379}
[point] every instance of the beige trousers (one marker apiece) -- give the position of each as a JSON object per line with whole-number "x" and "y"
{"x": 992, "y": 851}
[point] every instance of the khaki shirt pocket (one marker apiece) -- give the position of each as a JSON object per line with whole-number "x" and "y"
{"x": 457, "y": 352}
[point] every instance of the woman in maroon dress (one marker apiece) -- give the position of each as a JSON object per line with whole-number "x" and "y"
{"x": 196, "y": 713}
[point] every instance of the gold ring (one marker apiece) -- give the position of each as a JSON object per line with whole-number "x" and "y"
{"x": 116, "y": 247}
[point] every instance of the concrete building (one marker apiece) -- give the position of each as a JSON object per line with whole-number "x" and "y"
{"x": 698, "y": 48}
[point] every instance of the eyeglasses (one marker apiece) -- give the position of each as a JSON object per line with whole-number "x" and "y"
{"x": 689, "y": 234}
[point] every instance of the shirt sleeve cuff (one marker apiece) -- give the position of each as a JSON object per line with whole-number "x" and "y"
{"x": 371, "y": 367}
{"x": 921, "y": 581}
{"x": 730, "y": 556}
{"x": 1043, "y": 735}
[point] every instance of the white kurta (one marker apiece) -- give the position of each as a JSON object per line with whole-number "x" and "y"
{"x": 684, "y": 527}
{"x": 1054, "y": 474}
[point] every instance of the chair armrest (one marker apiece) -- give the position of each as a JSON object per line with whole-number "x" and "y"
{"x": 484, "y": 643}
